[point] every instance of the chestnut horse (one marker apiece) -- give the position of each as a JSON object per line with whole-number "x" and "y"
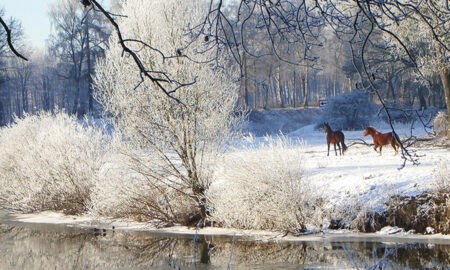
{"x": 334, "y": 137}
{"x": 380, "y": 139}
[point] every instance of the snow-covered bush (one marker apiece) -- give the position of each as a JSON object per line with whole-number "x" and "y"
{"x": 263, "y": 188}
{"x": 349, "y": 111}
{"x": 137, "y": 187}
{"x": 441, "y": 124}
{"x": 181, "y": 137}
{"x": 441, "y": 177}
{"x": 49, "y": 162}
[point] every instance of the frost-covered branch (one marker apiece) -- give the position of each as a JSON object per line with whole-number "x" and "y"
{"x": 163, "y": 83}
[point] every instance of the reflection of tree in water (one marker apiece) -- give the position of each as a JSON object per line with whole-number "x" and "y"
{"x": 68, "y": 248}
{"x": 375, "y": 255}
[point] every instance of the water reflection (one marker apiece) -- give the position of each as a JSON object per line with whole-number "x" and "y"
{"x": 32, "y": 246}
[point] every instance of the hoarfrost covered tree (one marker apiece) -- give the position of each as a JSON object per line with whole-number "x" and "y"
{"x": 171, "y": 141}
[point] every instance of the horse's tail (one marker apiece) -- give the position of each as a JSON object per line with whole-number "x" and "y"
{"x": 396, "y": 139}
{"x": 344, "y": 147}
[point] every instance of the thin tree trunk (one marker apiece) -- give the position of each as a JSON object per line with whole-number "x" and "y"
{"x": 334, "y": 82}
{"x": 76, "y": 97}
{"x": 305, "y": 90}
{"x": 294, "y": 91}
{"x": 244, "y": 89}
{"x": 444, "y": 74}
{"x": 279, "y": 94}
{"x": 445, "y": 79}
{"x": 266, "y": 95}
{"x": 391, "y": 89}
{"x": 89, "y": 66}
{"x": 24, "y": 93}
{"x": 422, "y": 100}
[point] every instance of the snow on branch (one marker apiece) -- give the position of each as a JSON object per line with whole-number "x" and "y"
{"x": 144, "y": 71}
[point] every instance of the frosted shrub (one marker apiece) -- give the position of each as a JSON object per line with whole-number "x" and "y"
{"x": 441, "y": 177}
{"x": 263, "y": 188}
{"x": 135, "y": 185}
{"x": 48, "y": 162}
{"x": 441, "y": 125}
{"x": 350, "y": 111}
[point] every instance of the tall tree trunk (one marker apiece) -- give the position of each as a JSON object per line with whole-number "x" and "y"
{"x": 24, "y": 93}
{"x": 294, "y": 91}
{"x": 334, "y": 82}
{"x": 444, "y": 74}
{"x": 76, "y": 97}
{"x": 19, "y": 111}
{"x": 391, "y": 89}
{"x": 305, "y": 90}
{"x": 90, "y": 72}
{"x": 244, "y": 89}
{"x": 266, "y": 95}
{"x": 46, "y": 95}
{"x": 422, "y": 100}
{"x": 445, "y": 79}
{"x": 279, "y": 94}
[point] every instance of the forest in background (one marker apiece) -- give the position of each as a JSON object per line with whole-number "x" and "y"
{"x": 60, "y": 76}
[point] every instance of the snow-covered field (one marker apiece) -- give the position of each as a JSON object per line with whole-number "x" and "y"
{"x": 362, "y": 176}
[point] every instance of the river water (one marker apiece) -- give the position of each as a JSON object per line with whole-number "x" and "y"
{"x": 44, "y": 246}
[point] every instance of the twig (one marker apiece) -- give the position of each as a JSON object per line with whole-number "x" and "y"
{"x": 359, "y": 141}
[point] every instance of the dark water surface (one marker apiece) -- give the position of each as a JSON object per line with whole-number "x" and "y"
{"x": 44, "y": 246}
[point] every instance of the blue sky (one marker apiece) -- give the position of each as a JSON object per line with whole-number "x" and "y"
{"x": 33, "y": 14}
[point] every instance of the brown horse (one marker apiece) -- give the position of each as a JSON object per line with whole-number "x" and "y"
{"x": 380, "y": 139}
{"x": 334, "y": 137}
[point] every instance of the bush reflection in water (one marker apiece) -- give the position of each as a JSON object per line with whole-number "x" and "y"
{"x": 58, "y": 247}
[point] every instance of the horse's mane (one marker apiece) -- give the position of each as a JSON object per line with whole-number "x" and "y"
{"x": 371, "y": 129}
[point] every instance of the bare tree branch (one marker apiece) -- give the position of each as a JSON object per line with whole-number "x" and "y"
{"x": 9, "y": 39}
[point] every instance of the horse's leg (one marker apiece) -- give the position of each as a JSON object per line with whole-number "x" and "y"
{"x": 328, "y": 149}
{"x": 335, "y": 153}
{"x": 339, "y": 146}
{"x": 381, "y": 146}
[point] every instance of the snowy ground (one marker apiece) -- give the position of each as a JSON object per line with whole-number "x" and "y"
{"x": 362, "y": 175}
